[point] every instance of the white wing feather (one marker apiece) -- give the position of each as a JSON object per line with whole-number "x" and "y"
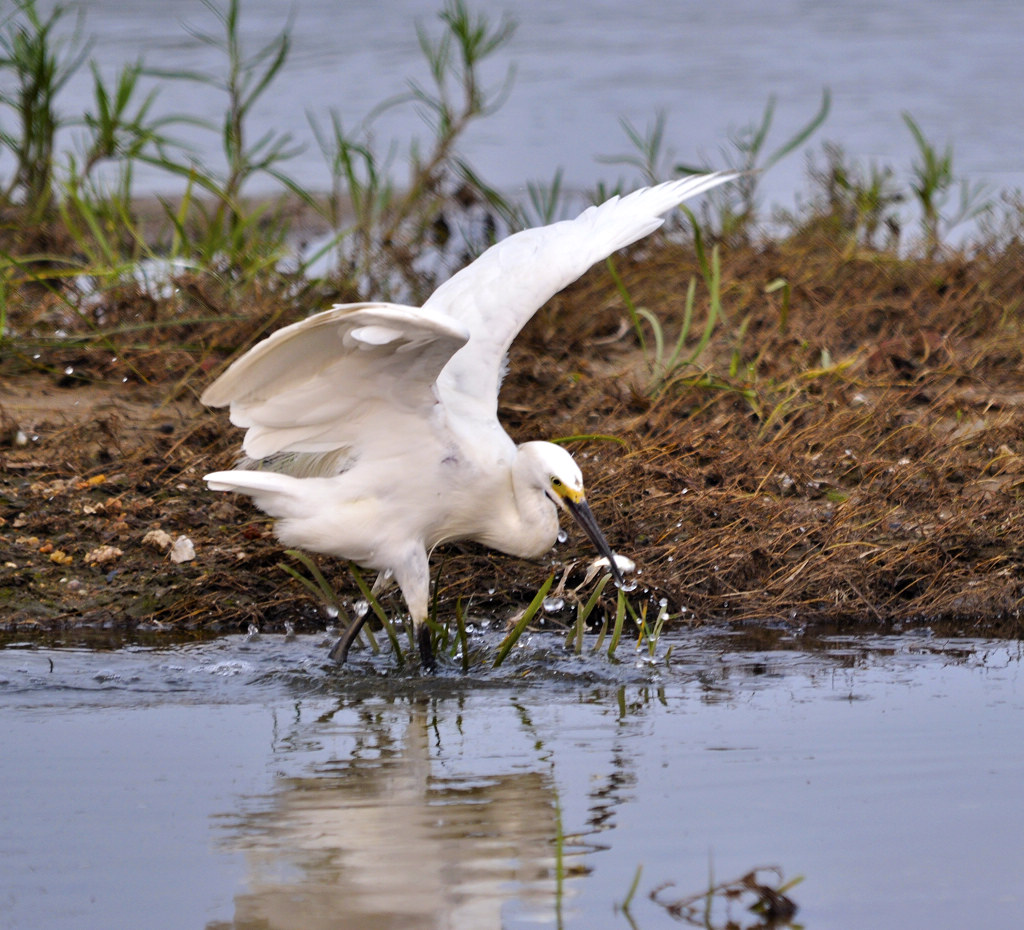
{"x": 329, "y": 382}
{"x": 311, "y": 387}
{"x": 496, "y": 295}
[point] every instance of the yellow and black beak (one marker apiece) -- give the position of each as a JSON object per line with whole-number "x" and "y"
{"x": 577, "y": 505}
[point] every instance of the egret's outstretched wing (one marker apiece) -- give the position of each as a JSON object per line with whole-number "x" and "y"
{"x": 496, "y": 295}
{"x": 317, "y": 385}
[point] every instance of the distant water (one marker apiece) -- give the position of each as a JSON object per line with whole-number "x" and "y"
{"x": 957, "y": 67}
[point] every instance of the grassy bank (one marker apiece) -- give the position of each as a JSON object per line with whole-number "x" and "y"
{"x": 854, "y": 460}
{"x": 815, "y": 428}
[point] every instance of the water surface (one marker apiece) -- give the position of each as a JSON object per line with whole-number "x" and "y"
{"x": 581, "y": 67}
{"x": 245, "y": 783}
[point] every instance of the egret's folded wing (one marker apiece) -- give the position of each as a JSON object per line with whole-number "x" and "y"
{"x": 497, "y": 294}
{"x": 316, "y": 385}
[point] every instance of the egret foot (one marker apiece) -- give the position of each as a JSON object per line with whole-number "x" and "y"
{"x": 339, "y": 651}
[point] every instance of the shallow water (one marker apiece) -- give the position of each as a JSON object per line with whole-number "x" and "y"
{"x": 245, "y": 783}
{"x": 583, "y": 66}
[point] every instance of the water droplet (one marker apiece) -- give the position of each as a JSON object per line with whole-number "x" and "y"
{"x": 253, "y": 632}
{"x": 554, "y": 604}
{"x": 627, "y": 587}
{"x": 562, "y": 536}
{"x": 331, "y": 612}
{"x": 359, "y": 608}
{"x": 671, "y": 558}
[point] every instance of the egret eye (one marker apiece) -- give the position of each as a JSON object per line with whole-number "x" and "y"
{"x": 556, "y": 482}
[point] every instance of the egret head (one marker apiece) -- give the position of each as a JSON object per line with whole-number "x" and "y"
{"x": 562, "y": 481}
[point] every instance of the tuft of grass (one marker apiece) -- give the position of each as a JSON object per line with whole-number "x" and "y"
{"x": 738, "y": 206}
{"x": 859, "y": 205}
{"x": 458, "y": 644}
{"x": 391, "y": 229}
{"x": 574, "y": 639}
{"x": 667, "y": 363}
{"x": 931, "y": 185}
{"x": 320, "y": 588}
{"x": 37, "y": 63}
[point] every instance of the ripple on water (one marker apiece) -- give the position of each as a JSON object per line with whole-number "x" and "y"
{"x": 241, "y": 668}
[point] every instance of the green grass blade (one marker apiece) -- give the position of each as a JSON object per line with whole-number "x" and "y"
{"x": 463, "y": 637}
{"x": 628, "y": 301}
{"x": 620, "y": 616}
{"x": 510, "y": 640}
{"x": 632, "y": 889}
{"x": 589, "y": 437}
{"x": 389, "y": 627}
{"x": 321, "y": 585}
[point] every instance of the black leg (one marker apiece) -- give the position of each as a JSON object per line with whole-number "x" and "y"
{"x": 339, "y": 651}
{"x": 426, "y": 653}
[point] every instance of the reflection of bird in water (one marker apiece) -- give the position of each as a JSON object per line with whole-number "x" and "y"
{"x": 372, "y": 429}
{"x": 384, "y": 835}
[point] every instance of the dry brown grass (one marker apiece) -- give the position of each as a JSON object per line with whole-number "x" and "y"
{"x": 861, "y": 465}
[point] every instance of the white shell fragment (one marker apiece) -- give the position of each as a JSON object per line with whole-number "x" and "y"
{"x": 183, "y": 550}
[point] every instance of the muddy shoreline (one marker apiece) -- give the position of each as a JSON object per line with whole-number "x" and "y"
{"x": 851, "y": 460}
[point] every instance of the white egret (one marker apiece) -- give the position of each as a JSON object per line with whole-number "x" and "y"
{"x": 372, "y": 431}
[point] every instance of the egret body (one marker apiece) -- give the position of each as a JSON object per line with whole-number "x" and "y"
{"x": 372, "y": 431}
